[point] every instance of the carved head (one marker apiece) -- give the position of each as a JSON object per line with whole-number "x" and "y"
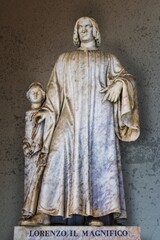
{"x": 36, "y": 94}
{"x": 86, "y": 29}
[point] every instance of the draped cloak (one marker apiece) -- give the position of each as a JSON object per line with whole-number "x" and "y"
{"x": 83, "y": 173}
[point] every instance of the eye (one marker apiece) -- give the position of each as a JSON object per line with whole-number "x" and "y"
{"x": 88, "y": 26}
{"x": 36, "y": 92}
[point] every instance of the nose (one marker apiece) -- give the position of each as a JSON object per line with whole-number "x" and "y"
{"x": 84, "y": 29}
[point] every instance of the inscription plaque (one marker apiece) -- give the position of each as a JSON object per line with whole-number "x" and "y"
{"x": 76, "y": 233}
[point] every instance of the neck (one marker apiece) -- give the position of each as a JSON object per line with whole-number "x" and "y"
{"x": 88, "y": 45}
{"x": 35, "y": 106}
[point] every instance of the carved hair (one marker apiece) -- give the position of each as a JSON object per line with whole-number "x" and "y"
{"x": 36, "y": 84}
{"x": 96, "y": 33}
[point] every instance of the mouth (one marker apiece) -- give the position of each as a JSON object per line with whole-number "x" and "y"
{"x": 84, "y": 35}
{"x": 35, "y": 97}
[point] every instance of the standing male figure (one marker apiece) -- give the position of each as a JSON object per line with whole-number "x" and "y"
{"x": 92, "y": 100}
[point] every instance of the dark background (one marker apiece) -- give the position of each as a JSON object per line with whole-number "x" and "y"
{"x": 32, "y": 36}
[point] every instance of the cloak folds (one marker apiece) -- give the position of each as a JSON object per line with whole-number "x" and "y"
{"x": 83, "y": 173}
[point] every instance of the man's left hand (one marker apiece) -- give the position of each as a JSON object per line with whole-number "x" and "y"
{"x": 113, "y": 92}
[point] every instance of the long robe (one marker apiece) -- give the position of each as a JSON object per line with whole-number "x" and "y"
{"x": 33, "y": 138}
{"x": 83, "y": 173}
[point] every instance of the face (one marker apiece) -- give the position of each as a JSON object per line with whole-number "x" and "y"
{"x": 85, "y": 30}
{"x": 35, "y": 95}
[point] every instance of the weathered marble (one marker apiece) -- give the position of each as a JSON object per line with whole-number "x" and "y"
{"x": 32, "y": 147}
{"x": 77, "y": 233}
{"x": 91, "y": 103}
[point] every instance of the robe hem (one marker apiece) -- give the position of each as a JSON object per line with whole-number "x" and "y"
{"x": 53, "y": 214}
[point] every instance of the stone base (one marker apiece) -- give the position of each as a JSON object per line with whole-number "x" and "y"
{"x": 76, "y": 233}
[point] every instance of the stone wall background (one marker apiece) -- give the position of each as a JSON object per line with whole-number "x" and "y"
{"x": 32, "y": 35}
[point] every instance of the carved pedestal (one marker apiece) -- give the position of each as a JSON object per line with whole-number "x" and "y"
{"x": 76, "y": 233}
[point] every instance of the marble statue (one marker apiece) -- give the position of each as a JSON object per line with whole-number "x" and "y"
{"x": 91, "y": 104}
{"x": 33, "y": 147}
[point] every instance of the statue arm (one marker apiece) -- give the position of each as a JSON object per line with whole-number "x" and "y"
{"x": 125, "y": 105}
{"x": 126, "y": 108}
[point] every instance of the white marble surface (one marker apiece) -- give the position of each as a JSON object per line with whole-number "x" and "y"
{"x": 76, "y": 233}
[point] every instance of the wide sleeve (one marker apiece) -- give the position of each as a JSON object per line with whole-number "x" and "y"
{"x": 54, "y": 102}
{"x": 126, "y": 108}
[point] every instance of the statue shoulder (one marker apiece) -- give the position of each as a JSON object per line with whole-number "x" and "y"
{"x": 111, "y": 56}
{"x": 64, "y": 56}
{"x": 113, "y": 60}
{"x": 107, "y": 55}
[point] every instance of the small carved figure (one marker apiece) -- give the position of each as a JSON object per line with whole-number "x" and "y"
{"x": 35, "y": 156}
{"x": 32, "y": 142}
